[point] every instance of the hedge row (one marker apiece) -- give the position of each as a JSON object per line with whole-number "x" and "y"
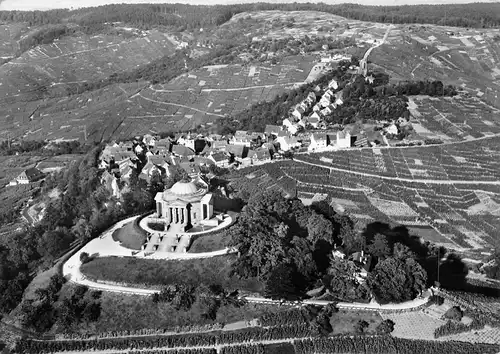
{"x": 279, "y": 348}
{"x": 286, "y": 318}
{"x": 142, "y": 332}
{"x": 174, "y": 341}
{"x": 389, "y": 345}
{"x": 178, "y": 351}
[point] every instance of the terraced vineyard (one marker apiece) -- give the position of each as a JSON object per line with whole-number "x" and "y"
{"x": 442, "y": 203}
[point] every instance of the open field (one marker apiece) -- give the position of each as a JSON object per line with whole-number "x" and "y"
{"x": 155, "y": 273}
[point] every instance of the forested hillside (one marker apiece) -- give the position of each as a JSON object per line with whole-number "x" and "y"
{"x": 482, "y": 15}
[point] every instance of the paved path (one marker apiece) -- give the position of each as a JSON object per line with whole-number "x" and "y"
{"x": 368, "y": 52}
{"x": 426, "y": 181}
{"x": 71, "y": 270}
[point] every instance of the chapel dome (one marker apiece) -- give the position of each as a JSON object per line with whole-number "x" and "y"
{"x": 184, "y": 188}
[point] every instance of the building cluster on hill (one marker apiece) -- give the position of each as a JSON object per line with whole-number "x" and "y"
{"x": 311, "y": 117}
{"x": 195, "y": 154}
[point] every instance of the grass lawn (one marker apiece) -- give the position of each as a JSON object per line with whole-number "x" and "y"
{"x": 133, "y": 312}
{"x": 345, "y": 320}
{"x": 208, "y": 243}
{"x": 153, "y": 272}
{"x": 130, "y": 236}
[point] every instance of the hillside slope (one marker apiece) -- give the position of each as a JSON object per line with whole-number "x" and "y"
{"x": 125, "y": 79}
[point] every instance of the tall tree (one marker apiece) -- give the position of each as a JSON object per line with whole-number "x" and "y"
{"x": 379, "y": 247}
{"x": 397, "y": 279}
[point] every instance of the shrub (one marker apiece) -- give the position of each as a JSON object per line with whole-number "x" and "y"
{"x": 84, "y": 257}
{"x": 454, "y": 313}
{"x": 385, "y": 327}
{"x": 361, "y": 326}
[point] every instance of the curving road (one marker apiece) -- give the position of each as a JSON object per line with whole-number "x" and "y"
{"x": 368, "y": 52}
{"x": 105, "y": 245}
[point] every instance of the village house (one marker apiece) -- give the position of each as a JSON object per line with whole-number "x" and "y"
{"x": 291, "y": 127}
{"x": 311, "y": 98}
{"x": 159, "y": 161}
{"x": 298, "y": 112}
{"x": 302, "y": 123}
{"x": 162, "y": 147}
{"x": 138, "y": 149}
{"x": 181, "y": 150}
{"x": 195, "y": 143}
{"x": 314, "y": 119}
{"x": 272, "y": 130}
{"x": 203, "y": 161}
{"x": 244, "y": 140}
{"x": 125, "y": 173}
{"x": 192, "y": 169}
{"x": 109, "y": 151}
{"x": 30, "y": 175}
{"x": 318, "y": 141}
{"x": 120, "y": 158}
{"x": 333, "y": 84}
{"x": 392, "y": 129}
{"x": 149, "y": 140}
{"x": 219, "y": 145}
{"x": 259, "y": 156}
{"x": 326, "y": 111}
{"x": 288, "y": 143}
{"x": 126, "y": 146}
{"x": 238, "y": 152}
{"x": 220, "y": 159}
{"x": 109, "y": 181}
{"x": 316, "y": 108}
{"x": 343, "y": 139}
{"x": 339, "y": 98}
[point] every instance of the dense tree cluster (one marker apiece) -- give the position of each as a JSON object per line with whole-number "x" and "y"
{"x": 45, "y": 35}
{"x": 289, "y": 247}
{"x": 42, "y": 312}
{"x": 82, "y": 212}
{"x": 42, "y": 148}
{"x": 283, "y": 242}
